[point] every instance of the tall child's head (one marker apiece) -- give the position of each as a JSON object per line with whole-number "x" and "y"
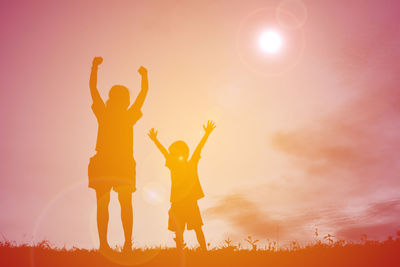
{"x": 179, "y": 150}
{"x": 118, "y": 98}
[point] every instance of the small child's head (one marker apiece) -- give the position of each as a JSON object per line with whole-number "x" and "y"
{"x": 118, "y": 97}
{"x": 180, "y": 150}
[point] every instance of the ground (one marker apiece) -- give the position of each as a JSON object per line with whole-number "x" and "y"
{"x": 369, "y": 253}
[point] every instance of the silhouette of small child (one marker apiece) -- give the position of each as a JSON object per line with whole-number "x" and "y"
{"x": 185, "y": 186}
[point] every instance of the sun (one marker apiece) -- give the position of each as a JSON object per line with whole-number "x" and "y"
{"x": 270, "y": 42}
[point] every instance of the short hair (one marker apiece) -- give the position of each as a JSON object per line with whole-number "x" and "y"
{"x": 119, "y": 96}
{"x": 180, "y": 148}
{"x": 118, "y": 91}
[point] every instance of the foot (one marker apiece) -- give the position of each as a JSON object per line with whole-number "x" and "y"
{"x": 180, "y": 245}
{"x": 127, "y": 247}
{"x": 105, "y": 248}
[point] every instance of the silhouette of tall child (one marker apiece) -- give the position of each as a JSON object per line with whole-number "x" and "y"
{"x": 113, "y": 166}
{"x": 185, "y": 186}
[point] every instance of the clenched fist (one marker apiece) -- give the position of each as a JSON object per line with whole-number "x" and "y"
{"x": 97, "y": 61}
{"x": 142, "y": 70}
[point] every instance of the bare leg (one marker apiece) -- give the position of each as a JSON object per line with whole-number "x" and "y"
{"x": 200, "y": 238}
{"x": 125, "y": 200}
{"x": 179, "y": 239}
{"x": 103, "y": 200}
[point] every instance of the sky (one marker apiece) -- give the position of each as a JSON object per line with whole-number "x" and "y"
{"x": 307, "y": 138}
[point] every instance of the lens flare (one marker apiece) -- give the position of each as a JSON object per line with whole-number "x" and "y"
{"x": 291, "y": 14}
{"x": 154, "y": 193}
{"x": 266, "y": 47}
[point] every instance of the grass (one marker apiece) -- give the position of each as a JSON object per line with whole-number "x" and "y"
{"x": 340, "y": 253}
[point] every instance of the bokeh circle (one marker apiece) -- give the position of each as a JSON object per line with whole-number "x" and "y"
{"x": 291, "y": 14}
{"x": 137, "y": 257}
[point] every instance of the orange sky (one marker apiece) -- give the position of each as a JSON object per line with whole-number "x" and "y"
{"x": 305, "y": 139}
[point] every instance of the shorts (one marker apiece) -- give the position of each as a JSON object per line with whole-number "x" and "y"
{"x": 182, "y": 214}
{"x": 106, "y": 172}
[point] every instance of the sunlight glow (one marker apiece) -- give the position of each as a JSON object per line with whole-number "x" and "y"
{"x": 270, "y": 41}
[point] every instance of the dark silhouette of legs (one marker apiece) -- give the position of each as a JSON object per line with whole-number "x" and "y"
{"x": 200, "y": 238}
{"x": 125, "y": 200}
{"x": 179, "y": 239}
{"x": 103, "y": 199}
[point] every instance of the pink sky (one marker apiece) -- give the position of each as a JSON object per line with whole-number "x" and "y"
{"x": 313, "y": 146}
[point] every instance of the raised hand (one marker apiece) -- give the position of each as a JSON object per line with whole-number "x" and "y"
{"x": 97, "y": 61}
{"x": 152, "y": 134}
{"x": 209, "y": 127}
{"x": 142, "y": 70}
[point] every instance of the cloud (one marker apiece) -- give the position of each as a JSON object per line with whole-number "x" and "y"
{"x": 358, "y": 142}
{"x": 343, "y": 164}
{"x": 351, "y": 155}
{"x": 359, "y": 139}
{"x": 377, "y": 220}
{"x": 249, "y": 218}
{"x": 244, "y": 215}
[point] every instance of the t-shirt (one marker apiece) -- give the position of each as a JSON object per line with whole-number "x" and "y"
{"x": 185, "y": 184}
{"x": 115, "y": 132}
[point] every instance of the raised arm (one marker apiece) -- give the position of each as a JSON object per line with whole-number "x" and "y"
{"x": 93, "y": 81}
{"x": 143, "y": 92}
{"x": 208, "y": 128}
{"x": 153, "y": 136}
